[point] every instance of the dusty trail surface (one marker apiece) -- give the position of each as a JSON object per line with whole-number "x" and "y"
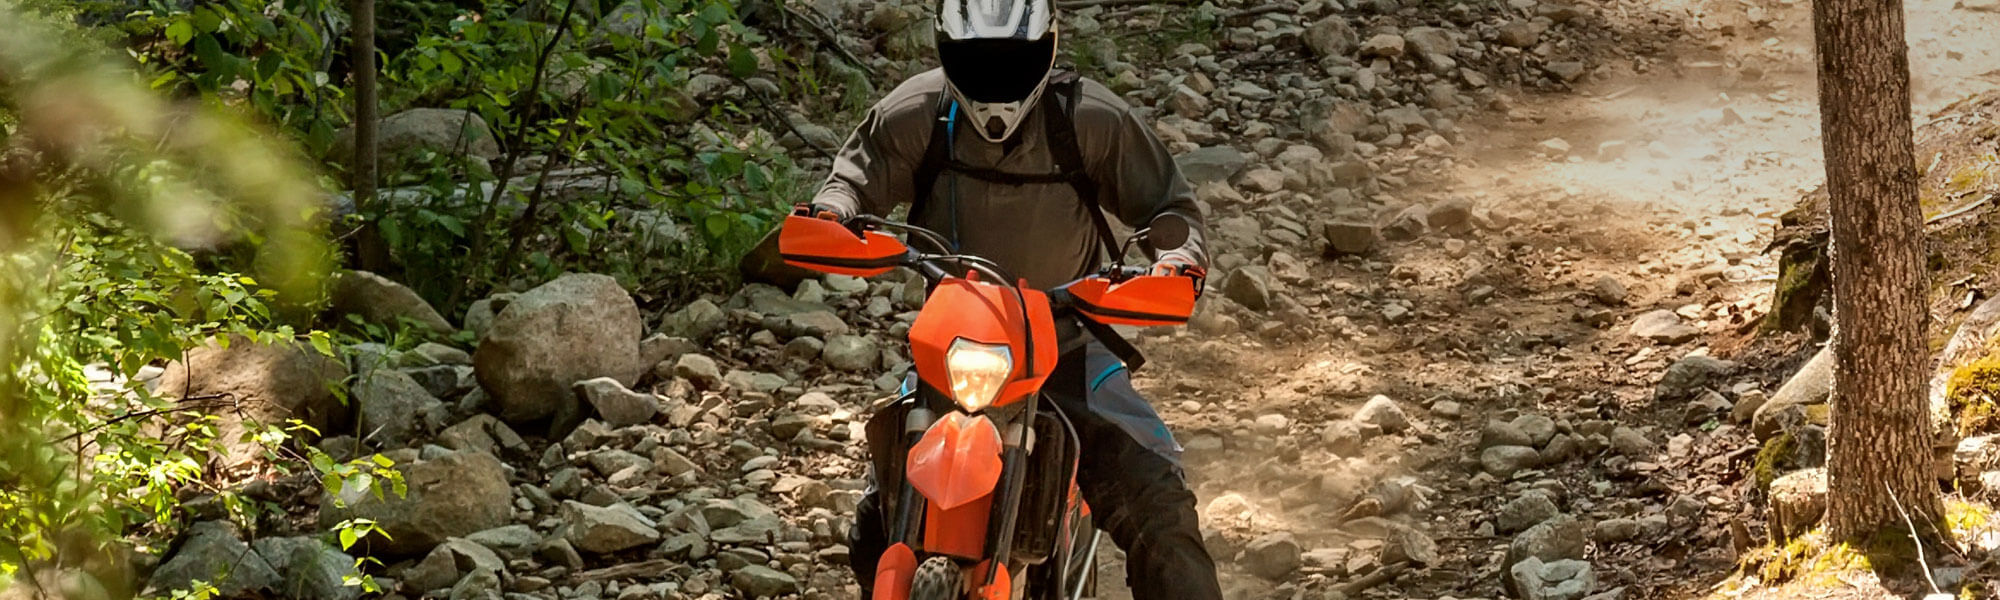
{"x": 1648, "y": 192}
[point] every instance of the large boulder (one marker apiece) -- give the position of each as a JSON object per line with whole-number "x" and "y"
{"x": 578, "y": 327}
{"x": 401, "y": 136}
{"x": 214, "y": 552}
{"x": 454, "y": 495}
{"x": 248, "y": 386}
{"x": 377, "y": 299}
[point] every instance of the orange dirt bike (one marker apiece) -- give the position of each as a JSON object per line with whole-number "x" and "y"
{"x": 976, "y": 466}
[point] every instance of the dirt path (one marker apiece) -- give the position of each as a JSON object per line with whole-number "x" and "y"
{"x": 1678, "y": 164}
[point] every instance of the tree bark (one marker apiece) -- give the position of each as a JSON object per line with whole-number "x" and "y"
{"x": 1880, "y": 442}
{"x": 371, "y": 250}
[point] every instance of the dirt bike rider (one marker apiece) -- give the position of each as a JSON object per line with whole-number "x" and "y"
{"x": 1048, "y": 154}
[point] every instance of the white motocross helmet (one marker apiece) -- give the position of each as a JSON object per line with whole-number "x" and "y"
{"x": 997, "y": 55}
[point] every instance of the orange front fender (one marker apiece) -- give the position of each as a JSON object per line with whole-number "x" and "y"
{"x": 957, "y": 461}
{"x": 894, "y": 574}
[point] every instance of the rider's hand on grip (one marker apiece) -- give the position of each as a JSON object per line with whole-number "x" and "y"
{"x": 1171, "y": 267}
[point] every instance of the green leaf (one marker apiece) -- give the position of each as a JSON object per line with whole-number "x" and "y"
{"x": 742, "y": 63}
{"x": 717, "y": 224}
{"x": 180, "y": 32}
{"x": 348, "y": 537}
{"x": 384, "y": 461}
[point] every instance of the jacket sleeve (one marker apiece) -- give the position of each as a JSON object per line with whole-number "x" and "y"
{"x": 1138, "y": 180}
{"x": 875, "y": 169}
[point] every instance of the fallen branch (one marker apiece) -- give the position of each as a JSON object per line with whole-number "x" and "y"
{"x": 1918, "y": 540}
{"x": 827, "y": 37}
{"x": 1076, "y": 4}
{"x": 1259, "y": 10}
{"x": 1969, "y": 207}
{"x": 651, "y": 568}
{"x": 1380, "y": 576}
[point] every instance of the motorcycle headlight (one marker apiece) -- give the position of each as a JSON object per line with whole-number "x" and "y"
{"x": 978, "y": 371}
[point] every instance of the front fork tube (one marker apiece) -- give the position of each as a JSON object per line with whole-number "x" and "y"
{"x": 1013, "y": 474}
{"x": 911, "y": 504}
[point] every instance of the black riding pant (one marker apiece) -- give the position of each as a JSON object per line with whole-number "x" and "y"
{"x": 1129, "y": 473}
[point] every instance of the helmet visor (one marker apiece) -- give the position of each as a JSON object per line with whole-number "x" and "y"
{"x": 997, "y": 71}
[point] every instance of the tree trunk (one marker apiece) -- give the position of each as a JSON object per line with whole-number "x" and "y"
{"x": 1880, "y": 443}
{"x": 370, "y": 249}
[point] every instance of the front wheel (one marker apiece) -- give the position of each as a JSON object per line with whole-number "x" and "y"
{"x": 937, "y": 579}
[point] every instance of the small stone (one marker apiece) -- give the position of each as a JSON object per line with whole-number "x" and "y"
{"x": 1529, "y": 510}
{"x": 1387, "y": 45}
{"x": 1504, "y": 461}
{"x": 1273, "y": 556}
{"x": 1554, "y": 147}
{"x": 1609, "y": 290}
{"x": 1631, "y": 443}
{"x": 617, "y": 406}
{"x": 1380, "y": 411}
{"x": 1611, "y": 531}
{"x": 605, "y": 530}
{"x": 700, "y": 370}
{"x": 1503, "y": 433}
{"x": 851, "y": 353}
{"x": 759, "y": 581}
{"x": 1663, "y": 326}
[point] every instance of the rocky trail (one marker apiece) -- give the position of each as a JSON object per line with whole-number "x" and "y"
{"x": 1478, "y": 328}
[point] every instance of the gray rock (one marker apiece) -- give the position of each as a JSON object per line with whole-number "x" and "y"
{"x": 1538, "y": 428}
{"x": 1709, "y": 405}
{"x": 1249, "y": 286}
{"x": 1691, "y": 375}
{"x": 1404, "y": 119}
{"x": 511, "y": 541}
{"x": 1380, "y": 411}
{"x": 696, "y": 321}
{"x": 1568, "y": 70}
{"x": 851, "y": 353}
{"x": 759, "y": 581}
{"x": 1211, "y": 164}
{"x": 1407, "y": 544}
{"x": 1529, "y": 510}
{"x": 1350, "y": 236}
{"x": 1187, "y": 103}
{"x": 1533, "y": 579}
{"x": 1609, "y": 290}
{"x": 530, "y": 357}
{"x": 1610, "y": 531}
{"x": 477, "y": 585}
{"x": 817, "y": 324}
{"x": 1631, "y": 443}
{"x": 1273, "y": 556}
{"x": 1503, "y": 433}
{"x": 1812, "y": 385}
{"x": 377, "y": 299}
{"x": 1408, "y": 225}
{"x": 479, "y": 316}
{"x": 1664, "y": 326}
{"x": 482, "y": 433}
{"x": 616, "y": 405}
{"x": 472, "y": 557}
{"x": 610, "y": 461}
{"x": 1387, "y": 45}
{"x": 438, "y": 570}
{"x": 214, "y": 552}
{"x": 700, "y": 370}
{"x": 1430, "y": 41}
{"x": 604, "y": 530}
{"x": 1798, "y": 500}
{"x": 1559, "y": 538}
{"x": 1331, "y": 36}
{"x": 395, "y": 409}
{"x": 1519, "y": 34}
{"x": 401, "y": 136}
{"x": 450, "y": 496}
{"x": 1502, "y": 462}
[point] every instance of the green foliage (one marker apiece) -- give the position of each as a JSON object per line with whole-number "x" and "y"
{"x": 1972, "y": 391}
{"x": 109, "y": 194}
{"x": 665, "y": 192}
